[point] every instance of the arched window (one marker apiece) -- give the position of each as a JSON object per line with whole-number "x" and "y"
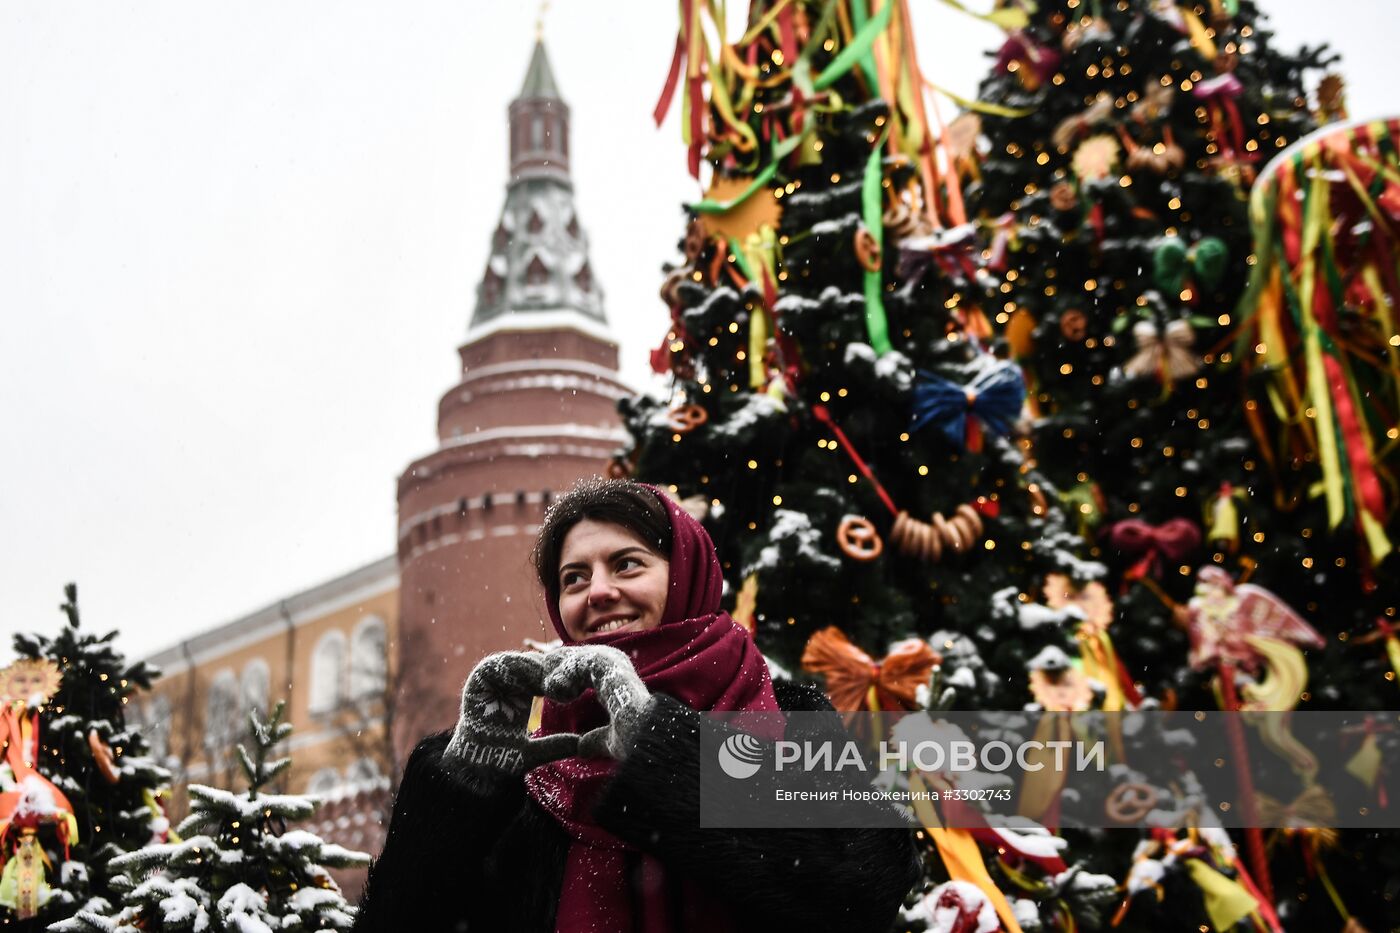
{"x": 257, "y": 684}
{"x": 364, "y": 771}
{"x": 583, "y": 278}
{"x": 536, "y": 273}
{"x": 491, "y": 287}
{"x": 368, "y": 656}
{"x": 222, "y": 712}
{"x": 328, "y": 673}
{"x": 537, "y": 132}
{"x": 323, "y": 781}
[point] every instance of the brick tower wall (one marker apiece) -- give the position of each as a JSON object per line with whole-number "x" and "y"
{"x": 521, "y": 427}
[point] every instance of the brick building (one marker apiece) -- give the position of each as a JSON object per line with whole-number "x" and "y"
{"x": 372, "y": 660}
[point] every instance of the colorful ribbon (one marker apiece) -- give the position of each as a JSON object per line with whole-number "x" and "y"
{"x": 1315, "y": 259}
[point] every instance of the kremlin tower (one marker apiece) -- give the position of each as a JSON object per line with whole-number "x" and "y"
{"x": 534, "y": 410}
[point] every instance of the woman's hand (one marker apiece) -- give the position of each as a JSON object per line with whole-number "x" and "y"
{"x": 491, "y": 730}
{"x": 572, "y": 669}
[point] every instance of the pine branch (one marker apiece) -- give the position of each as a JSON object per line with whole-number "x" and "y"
{"x": 70, "y": 606}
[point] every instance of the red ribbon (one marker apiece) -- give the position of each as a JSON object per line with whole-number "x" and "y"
{"x": 974, "y": 428}
{"x": 787, "y": 36}
{"x": 1363, "y": 470}
{"x": 824, "y": 416}
{"x": 668, "y": 92}
{"x": 959, "y": 814}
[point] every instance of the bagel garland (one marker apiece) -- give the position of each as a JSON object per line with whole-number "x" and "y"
{"x": 930, "y": 541}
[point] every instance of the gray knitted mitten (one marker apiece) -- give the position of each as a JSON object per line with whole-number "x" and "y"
{"x": 491, "y": 731}
{"x": 572, "y": 669}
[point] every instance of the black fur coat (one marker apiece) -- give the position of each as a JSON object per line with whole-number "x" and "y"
{"x": 457, "y": 860}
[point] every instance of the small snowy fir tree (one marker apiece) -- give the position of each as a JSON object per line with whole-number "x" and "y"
{"x": 97, "y": 760}
{"x": 238, "y": 870}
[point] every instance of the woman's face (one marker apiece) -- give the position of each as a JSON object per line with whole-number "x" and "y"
{"x": 609, "y": 581}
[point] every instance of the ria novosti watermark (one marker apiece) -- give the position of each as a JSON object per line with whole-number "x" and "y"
{"x": 1149, "y": 768}
{"x": 740, "y": 756}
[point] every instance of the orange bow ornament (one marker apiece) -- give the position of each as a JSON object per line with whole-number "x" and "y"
{"x": 856, "y": 682}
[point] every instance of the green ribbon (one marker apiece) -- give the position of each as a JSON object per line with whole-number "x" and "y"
{"x": 859, "y": 17}
{"x": 741, "y": 260}
{"x": 780, "y": 151}
{"x": 857, "y": 50}
{"x": 876, "y": 324}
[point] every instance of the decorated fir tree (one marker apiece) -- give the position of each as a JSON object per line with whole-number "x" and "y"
{"x": 79, "y": 785}
{"x": 844, "y": 420}
{"x": 1225, "y": 451}
{"x": 237, "y": 868}
{"x": 1115, "y": 199}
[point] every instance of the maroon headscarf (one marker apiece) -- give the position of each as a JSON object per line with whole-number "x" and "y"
{"x": 700, "y": 656}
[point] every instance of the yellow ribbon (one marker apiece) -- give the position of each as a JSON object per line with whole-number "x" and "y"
{"x": 1226, "y": 901}
{"x": 996, "y": 110}
{"x": 1319, "y": 393}
{"x": 758, "y": 250}
{"x": 1041, "y": 786}
{"x": 1200, "y": 38}
{"x": 960, "y": 854}
{"x": 1007, "y": 18}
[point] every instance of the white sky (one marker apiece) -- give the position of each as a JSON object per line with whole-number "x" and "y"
{"x": 238, "y": 248}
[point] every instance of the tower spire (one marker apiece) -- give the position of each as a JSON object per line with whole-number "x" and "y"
{"x": 539, "y": 77}
{"x": 539, "y": 252}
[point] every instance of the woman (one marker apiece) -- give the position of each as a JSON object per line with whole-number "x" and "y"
{"x": 593, "y": 825}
